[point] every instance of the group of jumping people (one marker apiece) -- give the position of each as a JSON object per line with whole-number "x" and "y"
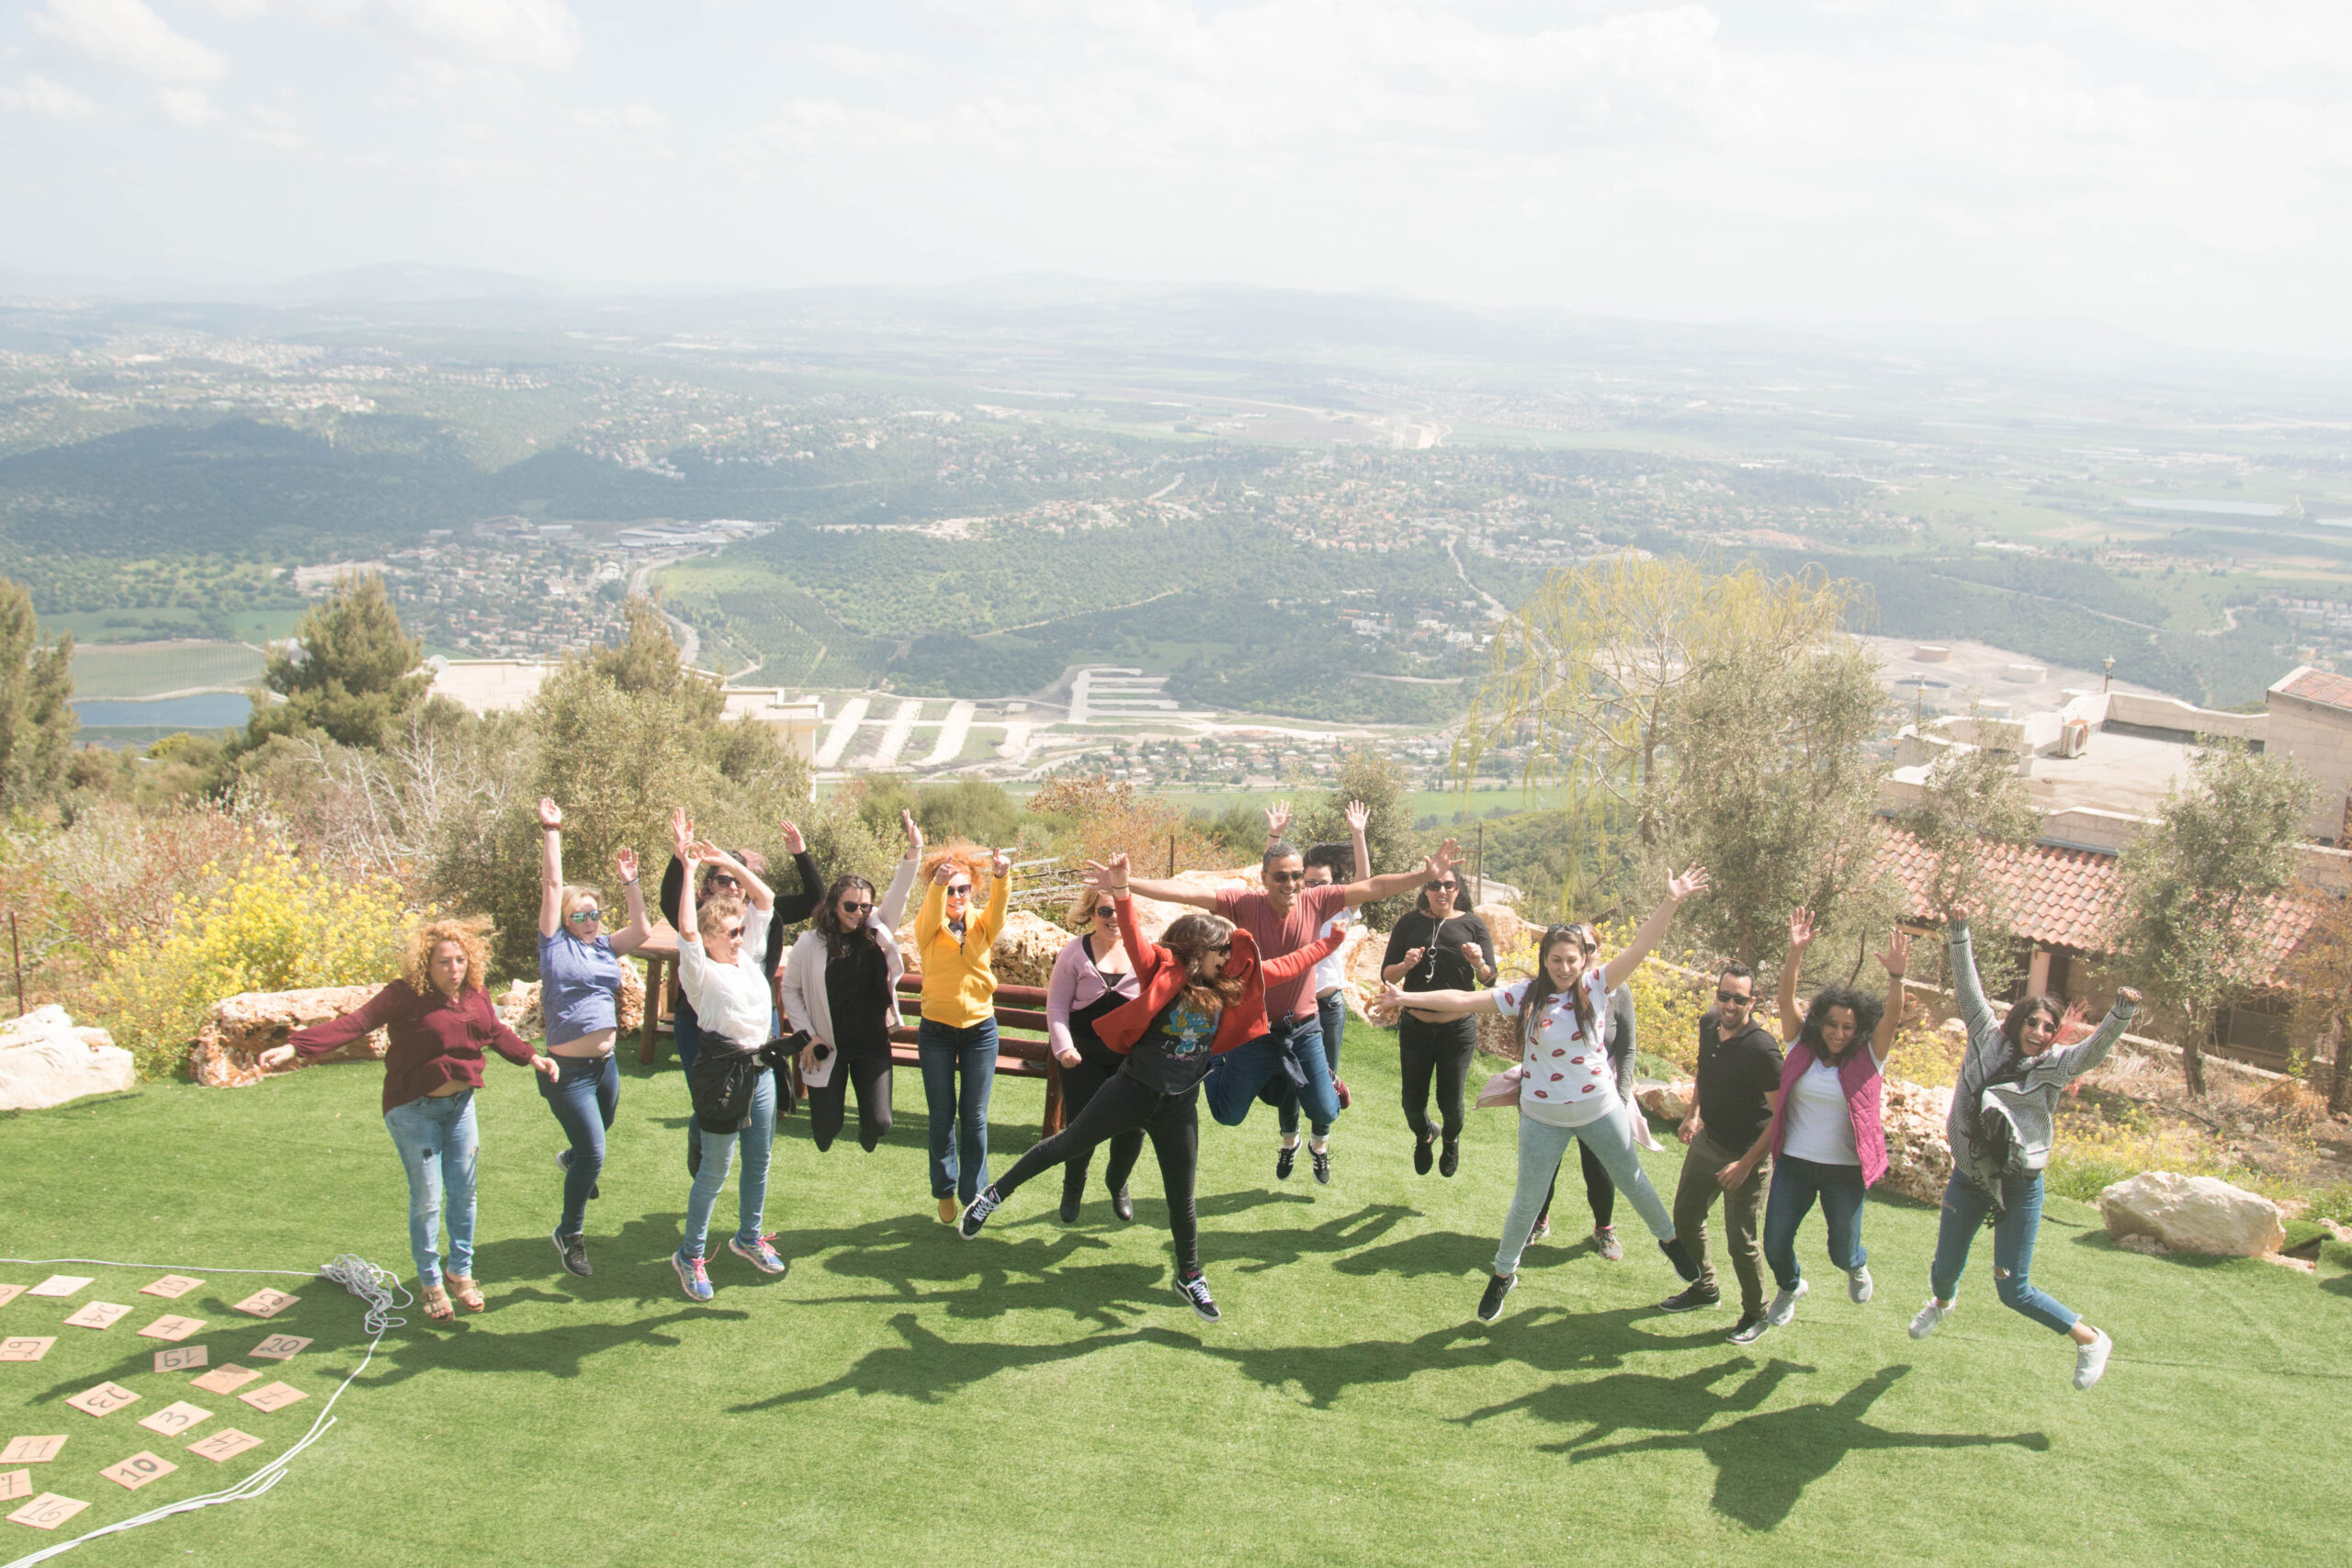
{"x": 1239, "y": 1001}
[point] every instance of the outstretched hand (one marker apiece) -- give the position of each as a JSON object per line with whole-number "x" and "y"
{"x": 1107, "y": 876}
{"x": 1002, "y": 866}
{"x": 2126, "y": 994}
{"x": 1799, "y": 930}
{"x": 1277, "y": 819}
{"x": 625, "y": 862}
{"x": 551, "y": 814}
{"x": 1897, "y": 956}
{"x": 546, "y": 1067}
{"x": 1390, "y": 1002}
{"x": 1690, "y": 884}
{"x": 682, "y": 836}
{"x": 913, "y": 833}
{"x": 275, "y": 1058}
{"x": 1359, "y": 816}
{"x": 793, "y": 842}
{"x": 943, "y": 872}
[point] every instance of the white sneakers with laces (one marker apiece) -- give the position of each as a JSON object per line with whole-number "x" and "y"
{"x": 1783, "y": 1310}
{"x": 2090, "y": 1361}
{"x": 1929, "y": 1317}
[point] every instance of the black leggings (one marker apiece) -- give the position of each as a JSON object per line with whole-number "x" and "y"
{"x": 827, "y": 1102}
{"x": 1080, "y": 1084}
{"x": 1444, "y": 1050}
{"x": 1126, "y": 1105}
{"x": 1599, "y": 1191}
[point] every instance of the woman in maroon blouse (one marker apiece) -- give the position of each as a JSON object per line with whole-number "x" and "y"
{"x": 440, "y": 1021}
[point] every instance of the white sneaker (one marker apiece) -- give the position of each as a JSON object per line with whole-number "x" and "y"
{"x": 1858, "y": 1284}
{"x": 1784, "y": 1305}
{"x": 2090, "y": 1361}
{"x": 1931, "y": 1317}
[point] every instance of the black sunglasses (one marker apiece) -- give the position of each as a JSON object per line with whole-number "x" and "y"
{"x": 1445, "y": 882}
{"x": 721, "y": 879}
{"x": 1722, "y": 996}
{"x": 851, "y": 909}
{"x": 1221, "y": 947}
{"x": 1285, "y": 877}
{"x": 1107, "y": 912}
{"x": 959, "y": 890}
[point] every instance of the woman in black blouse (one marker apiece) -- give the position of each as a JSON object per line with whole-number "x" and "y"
{"x": 1440, "y": 946}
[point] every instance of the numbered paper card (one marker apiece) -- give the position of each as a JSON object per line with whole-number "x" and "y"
{"x": 30, "y": 1451}
{"x": 59, "y": 1285}
{"x": 102, "y": 1400}
{"x": 9, "y": 1293}
{"x": 266, "y": 1303}
{"x": 46, "y": 1511}
{"x": 15, "y": 1484}
{"x": 273, "y": 1396}
{"x": 175, "y": 1417}
{"x": 171, "y": 1287}
{"x": 225, "y": 1444}
{"x": 26, "y": 1350}
{"x": 225, "y": 1380}
{"x": 138, "y": 1470}
{"x": 181, "y": 1359}
{"x": 280, "y": 1347}
{"x": 99, "y": 1315}
{"x": 171, "y": 1328}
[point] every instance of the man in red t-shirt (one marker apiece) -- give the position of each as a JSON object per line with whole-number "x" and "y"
{"x": 1284, "y": 918}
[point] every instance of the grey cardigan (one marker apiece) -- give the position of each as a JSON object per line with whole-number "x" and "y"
{"x": 2029, "y": 1105}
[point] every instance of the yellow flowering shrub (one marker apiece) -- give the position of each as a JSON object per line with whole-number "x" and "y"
{"x": 277, "y": 926}
{"x": 1666, "y": 999}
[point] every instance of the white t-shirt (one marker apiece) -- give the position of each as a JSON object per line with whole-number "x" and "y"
{"x": 1821, "y": 1127}
{"x": 730, "y": 1000}
{"x": 1331, "y": 972}
{"x": 1567, "y": 1081}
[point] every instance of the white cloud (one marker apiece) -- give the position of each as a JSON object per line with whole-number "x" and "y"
{"x": 276, "y": 131}
{"x": 186, "y": 105}
{"x": 54, "y": 100}
{"x": 128, "y": 36}
{"x": 540, "y": 34}
{"x": 642, "y": 117}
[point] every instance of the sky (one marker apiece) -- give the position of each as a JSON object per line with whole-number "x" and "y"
{"x": 2182, "y": 168}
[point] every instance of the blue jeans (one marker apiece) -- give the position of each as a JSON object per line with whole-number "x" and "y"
{"x": 2013, "y": 1238}
{"x": 959, "y": 1122}
{"x": 1236, "y": 1078}
{"x": 757, "y": 1137}
{"x": 1331, "y": 1018}
{"x": 586, "y": 1092}
{"x": 1796, "y": 1184}
{"x": 1540, "y": 1144}
{"x": 438, "y": 1144}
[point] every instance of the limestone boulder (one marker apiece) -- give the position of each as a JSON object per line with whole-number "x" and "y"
{"x": 2193, "y": 1214}
{"x": 519, "y": 1005}
{"x": 1669, "y": 1102}
{"x": 1918, "y": 1157}
{"x": 237, "y": 1030}
{"x": 1027, "y": 948}
{"x": 1506, "y": 926}
{"x": 45, "y": 1061}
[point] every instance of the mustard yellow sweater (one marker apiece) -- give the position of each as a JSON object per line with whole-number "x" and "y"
{"x": 958, "y": 978}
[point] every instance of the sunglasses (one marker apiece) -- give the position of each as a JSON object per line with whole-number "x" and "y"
{"x": 1221, "y": 947}
{"x": 1285, "y": 877}
{"x": 1445, "y": 882}
{"x": 730, "y": 932}
{"x": 1728, "y": 997}
{"x": 585, "y": 917}
{"x": 721, "y": 880}
{"x": 1106, "y": 912}
{"x": 959, "y": 890}
{"x": 850, "y": 908}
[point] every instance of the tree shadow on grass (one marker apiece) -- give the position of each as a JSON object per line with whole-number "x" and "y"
{"x": 927, "y": 1368}
{"x": 1450, "y": 1254}
{"x": 1764, "y": 1462}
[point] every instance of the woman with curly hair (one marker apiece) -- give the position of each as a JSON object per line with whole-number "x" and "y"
{"x": 1825, "y": 1140}
{"x": 955, "y": 1041}
{"x": 440, "y": 1023}
{"x": 1202, "y": 993}
{"x": 840, "y": 987}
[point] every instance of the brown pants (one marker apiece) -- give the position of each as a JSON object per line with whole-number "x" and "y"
{"x": 1696, "y": 1193}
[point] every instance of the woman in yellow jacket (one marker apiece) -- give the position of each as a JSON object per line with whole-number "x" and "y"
{"x": 955, "y": 1041}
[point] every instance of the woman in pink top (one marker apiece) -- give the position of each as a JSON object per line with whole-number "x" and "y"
{"x": 1826, "y": 1141}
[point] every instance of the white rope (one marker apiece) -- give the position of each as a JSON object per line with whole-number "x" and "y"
{"x": 381, "y": 1291}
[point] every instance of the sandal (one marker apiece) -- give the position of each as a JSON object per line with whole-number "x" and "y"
{"x": 467, "y": 1292}
{"x": 436, "y": 1304}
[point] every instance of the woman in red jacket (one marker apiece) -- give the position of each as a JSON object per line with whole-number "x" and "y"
{"x": 1204, "y": 993}
{"x": 440, "y": 1023}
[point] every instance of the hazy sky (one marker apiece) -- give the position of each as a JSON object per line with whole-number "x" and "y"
{"x": 2178, "y": 166}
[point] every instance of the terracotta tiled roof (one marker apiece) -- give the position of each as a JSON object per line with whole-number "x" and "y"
{"x": 2064, "y": 897}
{"x": 2319, "y": 687}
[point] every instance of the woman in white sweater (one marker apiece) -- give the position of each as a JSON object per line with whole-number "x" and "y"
{"x": 840, "y": 987}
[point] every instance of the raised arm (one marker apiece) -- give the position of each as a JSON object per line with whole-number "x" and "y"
{"x": 335, "y": 1032}
{"x": 902, "y": 881}
{"x": 1895, "y": 961}
{"x": 1359, "y": 819}
{"x": 755, "y": 891}
{"x": 1174, "y": 892}
{"x": 1620, "y": 968}
{"x": 2082, "y": 1057}
{"x": 1967, "y": 987}
{"x": 639, "y": 929}
{"x": 1278, "y": 820}
{"x": 1110, "y": 877}
{"x": 551, "y": 867}
{"x": 682, "y": 860}
{"x": 1371, "y": 889}
{"x": 1299, "y": 961}
{"x": 802, "y": 904}
{"x": 991, "y": 918}
{"x": 1458, "y": 1004}
{"x": 1800, "y": 938}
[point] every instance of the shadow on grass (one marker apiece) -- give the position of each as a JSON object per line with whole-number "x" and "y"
{"x": 1452, "y": 1254}
{"x": 478, "y": 1345}
{"x": 927, "y": 1368}
{"x": 1764, "y": 1462}
{"x": 1268, "y": 1250}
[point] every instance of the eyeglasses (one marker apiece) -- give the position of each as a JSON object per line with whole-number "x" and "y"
{"x": 850, "y": 908}
{"x": 959, "y": 890}
{"x": 1285, "y": 877}
{"x": 585, "y": 917}
{"x": 1730, "y": 996}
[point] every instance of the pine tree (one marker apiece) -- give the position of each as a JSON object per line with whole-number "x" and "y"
{"x": 37, "y": 719}
{"x": 350, "y": 671}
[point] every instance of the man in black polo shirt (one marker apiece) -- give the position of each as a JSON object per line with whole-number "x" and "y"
{"x": 1729, "y": 1126}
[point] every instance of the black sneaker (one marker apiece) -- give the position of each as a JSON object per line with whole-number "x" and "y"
{"x": 1122, "y": 1206}
{"x": 1450, "y": 1160}
{"x": 1421, "y": 1156}
{"x": 1195, "y": 1289}
{"x": 1679, "y": 1255}
{"x": 1071, "y": 1196}
{"x": 1748, "y": 1330}
{"x": 1490, "y": 1306}
{"x": 573, "y": 1250}
{"x": 1286, "y": 1161}
{"x": 1322, "y": 1161}
{"x": 1691, "y": 1299}
{"x": 563, "y": 1162}
{"x": 977, "y": 1213}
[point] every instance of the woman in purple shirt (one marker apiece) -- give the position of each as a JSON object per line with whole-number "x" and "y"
{"x": 1091, "y": 977}
{"x": 580, "y": 988}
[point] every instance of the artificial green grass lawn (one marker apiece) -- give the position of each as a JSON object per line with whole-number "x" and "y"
{"x": 1041, "y": 1394}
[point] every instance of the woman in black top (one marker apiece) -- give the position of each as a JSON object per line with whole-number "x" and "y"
{"x": 1440, "y": 946}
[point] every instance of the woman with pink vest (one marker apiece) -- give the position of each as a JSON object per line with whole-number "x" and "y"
{"x": 1826, "y": 1140}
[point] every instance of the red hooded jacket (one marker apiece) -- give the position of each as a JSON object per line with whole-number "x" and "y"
{"x": 1161, "y": 977}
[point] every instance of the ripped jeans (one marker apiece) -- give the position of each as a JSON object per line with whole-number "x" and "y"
{"x": 2013, "y": 1238}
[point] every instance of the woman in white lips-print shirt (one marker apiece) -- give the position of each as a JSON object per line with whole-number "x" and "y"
{"x": 1566, "y": 1090}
